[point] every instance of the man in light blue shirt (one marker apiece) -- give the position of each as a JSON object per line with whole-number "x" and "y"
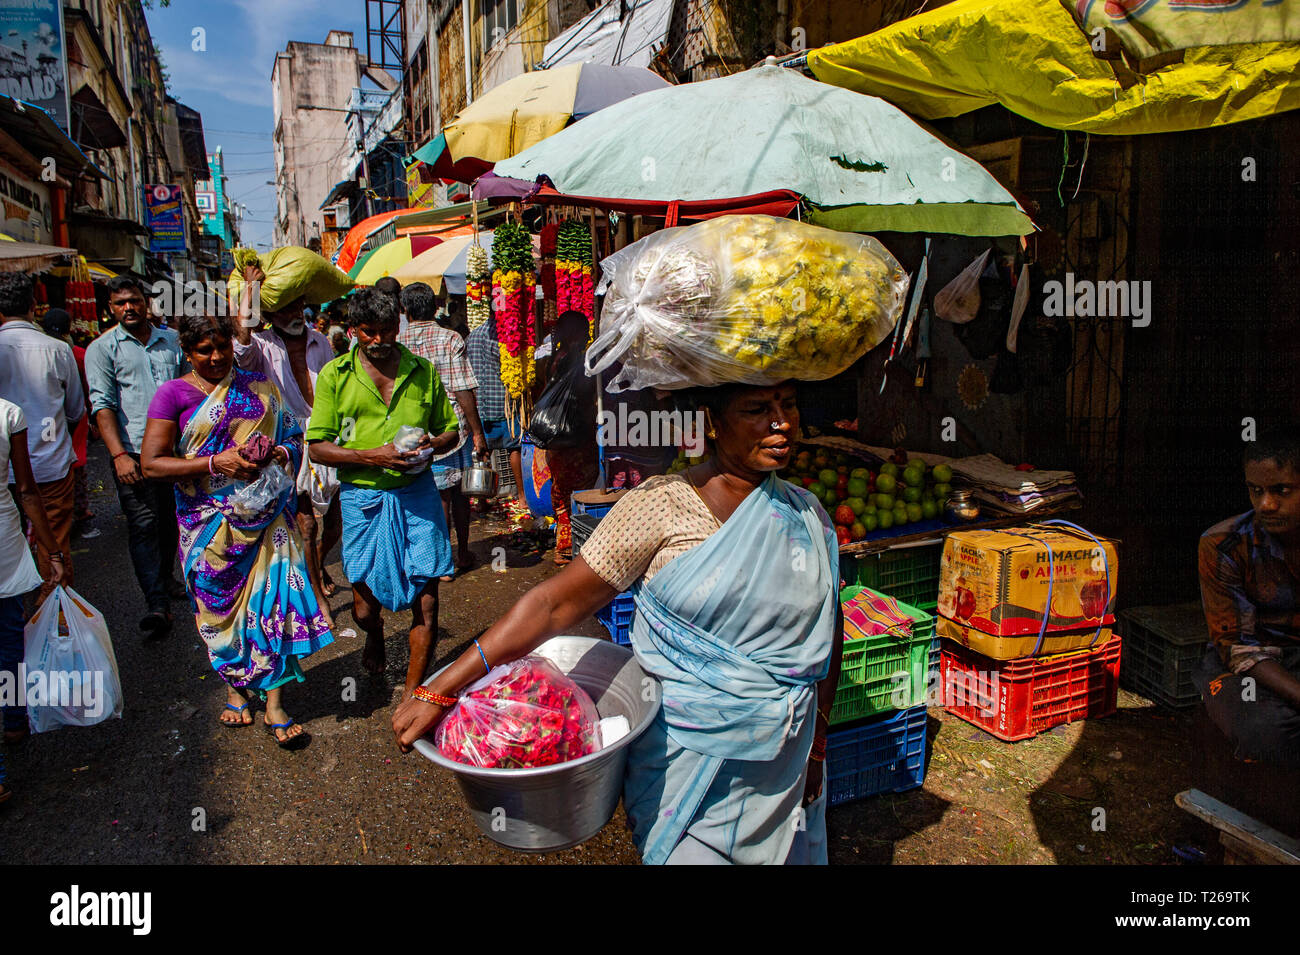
{"x": 124, "y": 368}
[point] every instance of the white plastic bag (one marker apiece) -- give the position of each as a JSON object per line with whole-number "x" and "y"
{"x": 255, "y": 497}
{"x": 744, "y": 298}
{"x": 959, "y": 300}
{"x": 71, "y": 677}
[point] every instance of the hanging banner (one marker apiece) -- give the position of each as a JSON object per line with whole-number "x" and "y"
{"x": 419, "y": 189}
{"x": 166, "y": 218}
{"x": 1148, "y": 28}
{"x": 33, "y": 59}
{"x": 26, "y": 207}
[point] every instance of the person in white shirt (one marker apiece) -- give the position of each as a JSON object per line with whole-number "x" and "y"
{"x": 291, "y": 354}
{"x": 18, "y": 574}
{"x": 40, "y": 374}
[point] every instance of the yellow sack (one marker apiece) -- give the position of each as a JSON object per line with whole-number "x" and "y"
{"x": 292, "y": 272}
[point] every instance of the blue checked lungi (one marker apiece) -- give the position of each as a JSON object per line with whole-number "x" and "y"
{"x": 395, "y": 541}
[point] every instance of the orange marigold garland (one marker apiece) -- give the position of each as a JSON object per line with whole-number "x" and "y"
{"x": 513, "y": 293}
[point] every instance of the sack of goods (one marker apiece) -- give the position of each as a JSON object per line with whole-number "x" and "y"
{"x": 746, "y": 298}
{"x": 1027, "y": 591}
{"x": 292, "y": 272}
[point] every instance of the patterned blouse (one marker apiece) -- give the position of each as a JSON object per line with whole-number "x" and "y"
{"x": 649, "y": 526}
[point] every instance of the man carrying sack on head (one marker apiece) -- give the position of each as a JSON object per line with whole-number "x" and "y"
{"x": 291, "y": 354}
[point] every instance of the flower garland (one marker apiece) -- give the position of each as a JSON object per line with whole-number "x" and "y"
{"x": 79, "y": 299}
{"x": 550, "y": 232}
{"x": 478, "y": 281}
{"x": 513, "y": 294}
{"x": 575, "y": 289}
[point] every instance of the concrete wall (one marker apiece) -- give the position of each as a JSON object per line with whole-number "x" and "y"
{"x": 310, "y": 143}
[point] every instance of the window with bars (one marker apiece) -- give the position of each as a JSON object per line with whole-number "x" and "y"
{"x": 499, "y": 18}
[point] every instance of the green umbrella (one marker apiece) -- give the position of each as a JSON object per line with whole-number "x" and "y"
{"x": 863, "y": 165}
{"x": 361, "y": 263}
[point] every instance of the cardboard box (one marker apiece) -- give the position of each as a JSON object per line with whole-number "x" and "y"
{"x": 1000, "y": 582}
{"x": 1015, "y": 648}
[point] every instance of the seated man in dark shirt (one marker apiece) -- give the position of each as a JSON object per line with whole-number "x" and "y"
{"x": 1250, "y": 587}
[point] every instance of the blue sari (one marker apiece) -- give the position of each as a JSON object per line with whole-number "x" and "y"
{"x": 739, "y": 630}
{"x": 246, "y": 573}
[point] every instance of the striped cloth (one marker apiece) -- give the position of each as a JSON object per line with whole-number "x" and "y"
{"x": 869, "y": 614}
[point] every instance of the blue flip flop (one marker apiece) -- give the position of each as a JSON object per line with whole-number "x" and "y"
{"x": 238, "y": 709}
{"x": 292, "y": 742}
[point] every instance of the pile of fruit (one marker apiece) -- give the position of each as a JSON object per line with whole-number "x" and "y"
{"x": 902, "y": 491}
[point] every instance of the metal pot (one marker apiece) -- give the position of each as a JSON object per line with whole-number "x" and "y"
{"x": 960, "y": 509}
{"x": 555, "y": 807}
{"x": 479, "y": 480}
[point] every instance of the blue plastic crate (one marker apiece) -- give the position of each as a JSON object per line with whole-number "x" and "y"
{"x": 885, "y": 754}
{"x": 594, "y": 509}
{"x": 616, "y": 617}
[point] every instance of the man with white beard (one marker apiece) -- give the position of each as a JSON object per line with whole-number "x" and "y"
{"x": 291, "y": 354}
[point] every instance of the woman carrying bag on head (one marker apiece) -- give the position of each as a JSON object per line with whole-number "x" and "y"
{"x": 735, "y": 573}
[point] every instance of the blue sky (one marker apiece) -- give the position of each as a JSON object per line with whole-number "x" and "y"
{"x": 230, "y": 82}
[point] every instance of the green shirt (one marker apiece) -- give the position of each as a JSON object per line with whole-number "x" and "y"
{"x": 350, "y": 412}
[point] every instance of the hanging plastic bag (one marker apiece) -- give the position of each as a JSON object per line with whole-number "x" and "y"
{"x": 255, "y": 497}
{"x": 523, "y": 714}
{"x": 408, "y": 438}
{"x": 72, "y": 677}
{"x": 564, "y": 415}
{"x": 959, "y": 300}
{"x": 744, "y": 298}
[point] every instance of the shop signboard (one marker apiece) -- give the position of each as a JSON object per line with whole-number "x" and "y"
{"x": 33, "y": 56}
{"x": 166, "y": 218}
{"x": 26, "y": 207}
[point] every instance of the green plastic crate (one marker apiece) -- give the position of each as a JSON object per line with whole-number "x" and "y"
{"x": 908, "y": 574}
{"x": 872, "y": 666}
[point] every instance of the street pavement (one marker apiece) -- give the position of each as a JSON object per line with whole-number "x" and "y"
{"x": 167, "y": 783}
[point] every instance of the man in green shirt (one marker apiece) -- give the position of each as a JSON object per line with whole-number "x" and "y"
{"x": 395, "y": 542}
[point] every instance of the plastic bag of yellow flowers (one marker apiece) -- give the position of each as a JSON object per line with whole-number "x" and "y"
{"x": 746, "y": 298}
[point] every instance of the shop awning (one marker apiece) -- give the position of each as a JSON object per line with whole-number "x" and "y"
{"x": 340, "y": 191}
{"x": 92, "y": 124}
{"x": 602, "y": 37}
{"x": 1031, "y": 56}
{"x": 35, "y": 129}
{"x": 85, "y": 216}
{"x": 31, "y": 256}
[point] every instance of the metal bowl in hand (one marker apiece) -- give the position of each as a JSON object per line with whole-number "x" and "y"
{"x": 555, "y": 807}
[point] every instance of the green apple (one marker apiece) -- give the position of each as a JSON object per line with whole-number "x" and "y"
{"x": 884, "y": 502}
{"x": 861, "y": 474}
{"x": 914, "y": 512}
{"x": 929, "y": 510}
{"x": 885, "y": 482}
{"x": 818, "y": 489}
{"x": 941, "y": 491}
{"x": 857, "y": 487}
{"x": 912, "y": 495}
{"x": 869, "y": 521}
{"x": 890, "y": 468}
{"x": 857, "y": 505}
{"x": 942, "y": 474}
{"x": 885, "y": 519}
{"x": 828, "y": 477}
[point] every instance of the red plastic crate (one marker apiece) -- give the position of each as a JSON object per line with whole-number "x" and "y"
{"x": 1017, "y": 699}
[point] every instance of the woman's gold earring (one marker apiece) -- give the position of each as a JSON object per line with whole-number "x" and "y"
{"x": 712, "y": 435}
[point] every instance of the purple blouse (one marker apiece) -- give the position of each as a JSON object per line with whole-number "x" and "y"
{"x": 176, "y": 400}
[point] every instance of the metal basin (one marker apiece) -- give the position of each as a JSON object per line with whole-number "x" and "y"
{"x": 555, "y": 807}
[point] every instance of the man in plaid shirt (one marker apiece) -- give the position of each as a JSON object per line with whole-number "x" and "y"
{"x": 425, "y": 337}
{"x": 1250, "y": 587}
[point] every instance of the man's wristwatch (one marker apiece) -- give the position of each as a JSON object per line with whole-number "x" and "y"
{"x": 57, "y": 555}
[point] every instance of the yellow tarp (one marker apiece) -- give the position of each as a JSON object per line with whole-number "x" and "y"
{"x": 1030, "y": 56}
{"x": 509, "y": 118}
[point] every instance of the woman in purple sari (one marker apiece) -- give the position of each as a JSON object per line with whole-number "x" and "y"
{"x": 218, "y": 433}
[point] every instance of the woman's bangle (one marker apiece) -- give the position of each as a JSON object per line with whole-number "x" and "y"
{"x": 56, "y": 555}
{"x": 211, "y": 469}
{"x": 287, "y": 456}
{"x": 483, "y": 656}
{"x": 426, "y": 695}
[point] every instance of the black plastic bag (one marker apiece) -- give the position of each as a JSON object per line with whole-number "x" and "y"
{"x": 565, "y": 414}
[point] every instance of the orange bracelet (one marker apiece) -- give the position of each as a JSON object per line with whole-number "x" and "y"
{"x": 426, "y": 695}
